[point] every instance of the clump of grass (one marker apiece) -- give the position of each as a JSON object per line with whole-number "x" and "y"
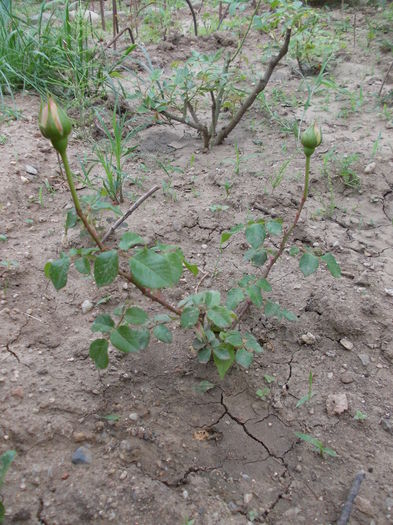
{"x": 55, "y": 54}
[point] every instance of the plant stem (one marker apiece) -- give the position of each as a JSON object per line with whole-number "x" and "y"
{"x": 75, "y": 198}
{"x": 94, "y": 235}
{"x": 246, "y": 305}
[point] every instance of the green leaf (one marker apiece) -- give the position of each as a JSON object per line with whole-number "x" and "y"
{"x": 244, "y": 358}
{"x": 103, "y": 323}
{"x": 204, "y": 355}
{"x": 212, "y": 298}
{"x": 127, "y": 340}
{"x": 274, "y": 227}
{"x": 193, "y": 268}
{"x": 222, "y": 352}
{"x": 130, "y": 239}
{"x": 82, "y": 265}
{"x": 71, "y": 220}
{"x": 5, "y": 462}
{"x": 155, "y": 270}
{"x": 290, "y": 316}
{"x": 269, "y": 379}
{"x": 224, "y": 365}
{"x": 189, "y": 317}
{"x": 257, "y": 257}
{"x": 57, "y": 272}
{"x": 232, "y": 337}
{"x": 294, "y": 251}
{"x": 263, "y": 392}
{"x": 204, "y": 386}
{"x": 308, "y": 264}
{"x": 234, "y": 297}
{"x": 106, "y": 267}
{"x": 254, "y": 292}
{"x": 135, "y": 315}
{"x": 163, "y": 333}
{"x": 255, "y": 234}
{"x": 220, "y": 316}
{"x": 332, "y": 264}
{"x": 272, "y": 309}
{"x": 227, "y": 235}
{"x": 252, "y": 344}
{"x": 111, "y": 417}
{"x": 99, "y": 353}
{"x": 162, "y": 318}
{"x": 3, "y": 237}
{"x": 302, "y": 400}
{"x": 2, "y": 512}
{"x": 264, "y": 285}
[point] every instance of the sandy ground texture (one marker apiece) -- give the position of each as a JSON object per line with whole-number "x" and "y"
{"x": 168, "y": 453}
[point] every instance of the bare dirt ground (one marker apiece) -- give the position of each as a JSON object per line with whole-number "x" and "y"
{"x": 174, "y": 454}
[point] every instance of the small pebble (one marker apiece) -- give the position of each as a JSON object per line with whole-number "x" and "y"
{"x": 370, "y": 168}
{"x": 133, "y": 416}
{"x": 387, "y": 425}
{"x": 31, "y": 170}
{"x": 347, "y": 378}
{"x": 336, "y": 404}
{"x": 81, "y": 456}
{"x": 346, "y": 343}
{"x": 365, "y": 359}
{"x": 123, "y": 475}
{"x": 247, "y": 498}
{"x": 308, "y": 338}
{"x": 87, "y": 306}
{"x": 364, "y": 506}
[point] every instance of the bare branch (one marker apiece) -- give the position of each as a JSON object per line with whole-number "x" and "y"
{"x": 129, "y": 212}
{"x": 119, "y": 35}
{"x": 222, "y": 135}
{"x": 193, "y": 17}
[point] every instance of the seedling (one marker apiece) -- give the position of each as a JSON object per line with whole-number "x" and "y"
{"x": 204, "y": 386}
{"x": 217, "y": 208}
{"x": 5, "y": 462}
{"x": 309, "y": 394}
{"x": 359, "y": 416}
{"x": 262, "y": 393}
{"x": 317, "y": 445}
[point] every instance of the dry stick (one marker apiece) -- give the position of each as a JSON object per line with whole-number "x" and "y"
{"x": 222, "y": 135}
{"x": 102, "y": 11}
{"x": 354, "y": 30}
{"x": 129, "y": 212}
{"x": 193, "y": 17}
{"x": 114, "y": 40}
{"x": 115, "y": 22}
{"x": 346, "y": 512}
{"x": 385, "y": 79}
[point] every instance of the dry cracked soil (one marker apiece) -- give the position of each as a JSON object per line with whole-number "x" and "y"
{"x": 157, "y": 450}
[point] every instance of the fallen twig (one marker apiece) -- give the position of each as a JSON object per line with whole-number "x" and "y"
{"x": 115, "y": 38}
{"x": 129, "y": 212}
{"x": 346, "y": 512}
{"x": 384, "y": 80}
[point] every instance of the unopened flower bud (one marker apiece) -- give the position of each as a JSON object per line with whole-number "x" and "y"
{"x": 311, "y": 139}
{"x": 54, "y": 125}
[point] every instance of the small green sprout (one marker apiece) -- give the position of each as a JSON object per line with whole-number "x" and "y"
{"x": 360, "y": 416}
{"x": 317, "y": 444}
